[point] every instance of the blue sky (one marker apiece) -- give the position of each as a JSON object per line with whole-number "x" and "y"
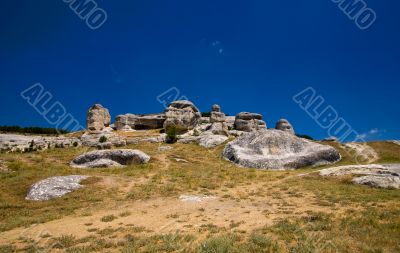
{"x": 244, "y": 55}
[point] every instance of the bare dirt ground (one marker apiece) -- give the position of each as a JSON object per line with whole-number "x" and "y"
{"x": 244, "y": 208}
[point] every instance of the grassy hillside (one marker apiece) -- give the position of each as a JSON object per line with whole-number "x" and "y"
{"x": 137, "y": 209}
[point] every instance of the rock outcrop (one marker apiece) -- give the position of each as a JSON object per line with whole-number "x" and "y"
{"x": 110, "y": 158}
{"x": 277, "y": 150}
{"x": 211, "y": 141}
{"x": 54, "y": 187}
{"x": 247, "y": 122}
{"x": 382, "y": 181}
{"x": 21, "y": 143}
{"x": 217, "y": 119}
{"x": 98, "y": 118}
{"x": 125, "y": 122}
{"x": 139, "y": 122}
{"x": 93, "y": 139}
{"x": 183, "y": 115}
{"x": 331, "y": 139}
{"x": 373, "y": 175}
{"x": 284, "y": 125}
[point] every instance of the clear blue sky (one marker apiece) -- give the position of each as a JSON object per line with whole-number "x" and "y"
{"x": 245, "y": 55}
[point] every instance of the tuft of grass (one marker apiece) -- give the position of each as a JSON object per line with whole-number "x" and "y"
{"x": 125, "y": 214}
{"x": 108, "y": 218}
{"x": 7, "y": 249}
{"x": 64, "y": 242}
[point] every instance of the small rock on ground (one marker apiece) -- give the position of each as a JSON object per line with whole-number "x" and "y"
{"x": 54, "y": 187}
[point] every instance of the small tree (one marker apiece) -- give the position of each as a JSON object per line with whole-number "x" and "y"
{"x": 171, "y": 135}
{"x": 102, "y": 139}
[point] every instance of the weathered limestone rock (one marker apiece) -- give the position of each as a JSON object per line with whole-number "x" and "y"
{"x": 93, "y": 139}
{"x": 284, "y": 125}
{"x": 20, "y": 143}
{"x": 54, "y": 187}
{"x": 331, "y": 139}
{"x": 183, "y": 115}
{"x": 246, "y": 121}
{"x": 382, "y": 181}
{"x": 217, "y": 118}
{"x": 139, "y": 122}
{"x": 277, "y": 150}
{"x": 125, "y": 122}
{"x": 216, "y": 108}
{"x": 110, "y": 158}
{"x": 230, "y": 122}
{"x": 211, "y": 141}
{"x": 98, "y": 118}
{"x": 150, "y": 121}
{"x": 374, "y": 175}
{"x": 219, "y": 128}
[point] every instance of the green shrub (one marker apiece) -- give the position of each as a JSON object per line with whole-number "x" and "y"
{"x": 102, "y": 139}
{"x": 171, "y": 135}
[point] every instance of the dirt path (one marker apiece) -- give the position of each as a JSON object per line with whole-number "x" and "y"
{"x": 242, "y": 208}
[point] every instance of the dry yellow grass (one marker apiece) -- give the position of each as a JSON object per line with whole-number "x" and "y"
{"x": 137, "y": 209}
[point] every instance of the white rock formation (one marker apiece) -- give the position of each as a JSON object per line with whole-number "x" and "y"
{"x": 374, "y": 175}
{"x": 110, "y": 158}
{"x": 211, "y": 141}
{"x": 183, "y": 115}
{"x": 20, "y": 143}
{"x": 98, "y": 118}
{"x": 277, "y": 150}
{"x": 284, "y": 125}
{"x": 247, "y": 122}
{"x": 54, "y": 187}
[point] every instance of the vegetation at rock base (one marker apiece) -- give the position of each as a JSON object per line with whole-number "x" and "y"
{"x": 171, "y": 135}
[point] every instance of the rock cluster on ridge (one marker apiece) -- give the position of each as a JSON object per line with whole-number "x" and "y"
{"x": 247, "y": 122}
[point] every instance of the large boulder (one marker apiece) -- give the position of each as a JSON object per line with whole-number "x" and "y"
{"x": 277, "y": 150}
{"x": 139, "y": 122}
{"x": 373, "y": 175}
{"x": 98, "y": 118}
{"x": 219, "y": 128}
{"x": 216, "y": 108}
{"x": 284, "y": 125}
{"x": 54, "y": 187}
{"x": 247, "y": 122}
{"x": 379, "y": 181}
{"x": 183, "y": 115}
{"x": 125, "y": 122}
{"x": 150, "y": 121}
{"x": 217, "y": 118}
{"x": 110, "y": 158}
